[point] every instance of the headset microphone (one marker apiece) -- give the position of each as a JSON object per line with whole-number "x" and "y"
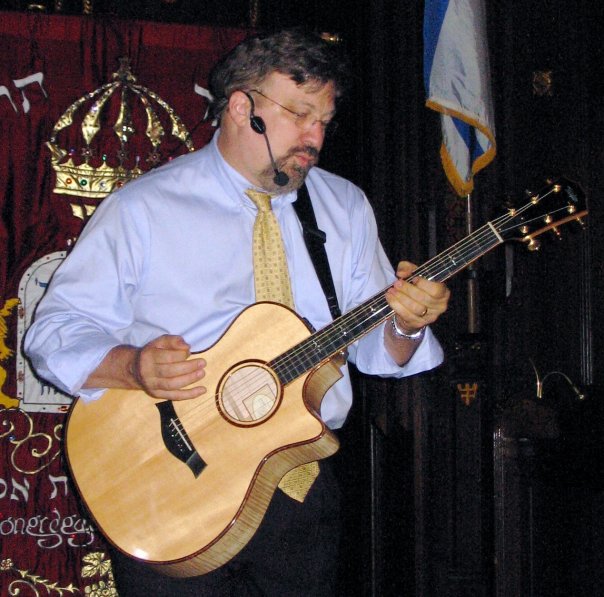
{"x": 280, "y": 178}
{"x": 258, "y": 126}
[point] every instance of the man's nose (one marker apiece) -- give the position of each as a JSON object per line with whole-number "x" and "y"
{"x": 314, "y": 134}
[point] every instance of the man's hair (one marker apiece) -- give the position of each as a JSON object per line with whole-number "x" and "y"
{"x": 305, "y": 57}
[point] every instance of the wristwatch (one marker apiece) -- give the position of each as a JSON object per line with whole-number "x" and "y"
{"x": 416, "y": 336}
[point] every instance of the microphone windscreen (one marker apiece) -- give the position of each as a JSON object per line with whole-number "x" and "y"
{"x": 280, "y": 179}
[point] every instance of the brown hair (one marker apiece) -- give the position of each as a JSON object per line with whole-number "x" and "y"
{"x": 305, "y": 57}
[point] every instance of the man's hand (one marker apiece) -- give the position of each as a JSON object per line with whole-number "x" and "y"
{"x": 417, "y": 303}
{"x": 160, "y": 368}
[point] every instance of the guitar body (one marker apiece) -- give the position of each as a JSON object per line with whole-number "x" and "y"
{"x": 183, "y": 488}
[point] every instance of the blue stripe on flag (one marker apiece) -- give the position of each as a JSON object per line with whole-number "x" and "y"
{"x": 434, "y": 14}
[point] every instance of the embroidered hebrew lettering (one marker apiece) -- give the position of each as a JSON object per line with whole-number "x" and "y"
{"x": 29, "y": 80}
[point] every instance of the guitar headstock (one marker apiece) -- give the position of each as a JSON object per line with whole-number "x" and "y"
{"x": 556, "y": 204}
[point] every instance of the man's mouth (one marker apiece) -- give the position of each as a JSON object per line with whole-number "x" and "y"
{"x": 306, "y": 157}
{"x": 304, "y": 160}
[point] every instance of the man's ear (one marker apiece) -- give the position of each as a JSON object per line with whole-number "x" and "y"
{"x": 240, "y": 108}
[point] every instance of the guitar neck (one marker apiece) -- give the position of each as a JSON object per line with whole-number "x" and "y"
{"x": 348, "y": 328}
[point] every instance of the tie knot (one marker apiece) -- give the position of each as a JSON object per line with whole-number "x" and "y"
{"x": 261, "y": 200}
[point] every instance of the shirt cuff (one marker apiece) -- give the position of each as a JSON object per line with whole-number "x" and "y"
{"x": 373, "y": 358}
{"x": 71, "y": 366}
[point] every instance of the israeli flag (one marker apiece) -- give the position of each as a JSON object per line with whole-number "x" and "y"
{"x": 457, "y": 80}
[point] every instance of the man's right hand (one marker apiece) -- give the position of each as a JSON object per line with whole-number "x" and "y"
{"x": 161, "y": 368}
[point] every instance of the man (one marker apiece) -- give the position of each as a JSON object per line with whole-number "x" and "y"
{"x": 166, "y": 264}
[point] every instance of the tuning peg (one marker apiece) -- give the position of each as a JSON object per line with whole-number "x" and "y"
{"x": 533, "y": 244}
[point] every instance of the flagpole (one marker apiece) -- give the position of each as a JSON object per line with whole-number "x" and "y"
{"x": 472, "y": 276}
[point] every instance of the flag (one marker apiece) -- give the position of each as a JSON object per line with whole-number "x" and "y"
{"x": 457, "y": 81}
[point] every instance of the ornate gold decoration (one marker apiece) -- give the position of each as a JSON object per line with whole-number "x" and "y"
{"x": 28, "y": 446}
{"x": 32, "y": 581}
{"x": 467, "y": 392}
{"x": 5, "y": 351}
{"x": 96, "y": 564}
{"x": 92, "y": 176}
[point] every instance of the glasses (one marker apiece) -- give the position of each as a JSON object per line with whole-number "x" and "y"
{"x": 303, "y": 120}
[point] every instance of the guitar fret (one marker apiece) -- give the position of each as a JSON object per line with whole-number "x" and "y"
{"x": 461, "y": 254}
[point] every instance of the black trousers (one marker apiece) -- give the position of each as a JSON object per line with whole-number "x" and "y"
{"x": 294, "y": 553}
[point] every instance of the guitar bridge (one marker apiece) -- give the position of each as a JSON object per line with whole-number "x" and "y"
{"x": 176, "y": 439}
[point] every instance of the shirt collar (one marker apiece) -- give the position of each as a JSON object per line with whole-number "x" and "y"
{"x": 235, "y": 184}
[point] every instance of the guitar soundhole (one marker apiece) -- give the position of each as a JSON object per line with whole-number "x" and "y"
{"x": 249, "y": 394}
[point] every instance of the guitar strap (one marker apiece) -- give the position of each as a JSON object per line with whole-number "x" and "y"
{"x": 315, "y": 243}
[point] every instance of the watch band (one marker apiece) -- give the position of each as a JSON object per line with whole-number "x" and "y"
{"x": 402, "y": 334}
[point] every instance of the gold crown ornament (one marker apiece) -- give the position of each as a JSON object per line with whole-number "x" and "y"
{"x": 88, "y": 173}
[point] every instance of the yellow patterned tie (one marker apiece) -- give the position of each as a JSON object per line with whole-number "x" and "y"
{"x": 271, "y": 278}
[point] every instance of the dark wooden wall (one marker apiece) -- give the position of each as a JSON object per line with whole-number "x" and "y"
{"x": 504, "y": 496}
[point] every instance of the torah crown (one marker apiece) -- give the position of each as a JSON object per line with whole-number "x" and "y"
{"x": 109, "y": 130}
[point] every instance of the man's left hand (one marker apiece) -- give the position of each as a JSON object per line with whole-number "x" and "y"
{"x": 417, "y": 303}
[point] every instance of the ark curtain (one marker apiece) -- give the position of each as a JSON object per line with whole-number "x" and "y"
{"x": 47, "y": 542}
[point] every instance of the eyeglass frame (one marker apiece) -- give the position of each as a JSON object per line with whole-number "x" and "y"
{"x": 327, "y": 127}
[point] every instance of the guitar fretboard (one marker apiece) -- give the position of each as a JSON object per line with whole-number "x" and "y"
{"x": 336, "y": 336}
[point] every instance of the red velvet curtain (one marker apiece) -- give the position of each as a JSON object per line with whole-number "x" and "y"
{"x": 47, "y": 543}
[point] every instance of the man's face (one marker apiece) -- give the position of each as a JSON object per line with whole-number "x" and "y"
{"x": 296, "y": 118}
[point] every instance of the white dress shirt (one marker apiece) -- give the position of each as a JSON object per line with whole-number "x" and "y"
{"x": 171, "y": 253}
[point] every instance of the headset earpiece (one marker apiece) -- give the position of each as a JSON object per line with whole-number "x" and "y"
{"x": 256, "y": 122}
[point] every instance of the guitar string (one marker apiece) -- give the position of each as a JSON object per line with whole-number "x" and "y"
{"x": 288, "y": 359}
{"x": 432, "y": 269}
{"x": 438, "y": 264}
{"x": 291, "y": 360}
{"x": 437, "y": 261}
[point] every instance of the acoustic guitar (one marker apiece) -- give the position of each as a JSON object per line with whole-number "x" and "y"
{"x": 183, "y": 486}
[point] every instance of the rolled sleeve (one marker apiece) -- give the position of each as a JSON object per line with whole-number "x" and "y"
{"x": 66, "y": 355}
{"x": 371, "y": 356}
